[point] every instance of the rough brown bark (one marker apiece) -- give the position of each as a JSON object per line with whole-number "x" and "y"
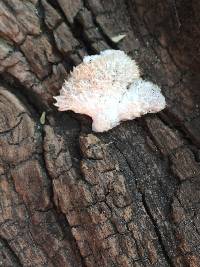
{"x": 70, "y": 197}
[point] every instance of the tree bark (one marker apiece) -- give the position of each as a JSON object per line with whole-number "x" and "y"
{"x": 71, "y": 197}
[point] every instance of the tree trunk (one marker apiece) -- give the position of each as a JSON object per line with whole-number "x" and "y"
{"x": 71, "y": 197}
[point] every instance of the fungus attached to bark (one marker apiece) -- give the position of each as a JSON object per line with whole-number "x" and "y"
{"x": 108, "y": 88}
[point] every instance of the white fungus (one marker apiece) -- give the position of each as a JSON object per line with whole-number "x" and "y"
{"x": 108, "y": 88}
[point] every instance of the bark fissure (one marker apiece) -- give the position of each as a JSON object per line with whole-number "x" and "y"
{"x": 157, "y": 231}
{"x": 148, "y": 211}
{"x": 107, "y": 40}
{"x": 65, "y": 225}
{"x": 14, "y": 257}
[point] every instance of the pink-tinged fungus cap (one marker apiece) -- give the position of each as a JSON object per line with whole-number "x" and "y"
{"x": 108, "y": 88}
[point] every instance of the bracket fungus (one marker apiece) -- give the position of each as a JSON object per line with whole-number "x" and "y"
{"x": 108, "y": 88}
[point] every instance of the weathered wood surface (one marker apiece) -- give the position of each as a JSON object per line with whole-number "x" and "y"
{"x": 69, "y": 197}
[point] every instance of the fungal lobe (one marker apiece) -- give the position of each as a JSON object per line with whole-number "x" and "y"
{"x": 108, "y": 88}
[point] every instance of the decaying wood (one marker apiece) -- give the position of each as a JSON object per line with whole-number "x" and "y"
{"x": 69, "y": 197}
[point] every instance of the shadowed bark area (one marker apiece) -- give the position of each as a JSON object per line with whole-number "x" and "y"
{"x": 71, "y": 197}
